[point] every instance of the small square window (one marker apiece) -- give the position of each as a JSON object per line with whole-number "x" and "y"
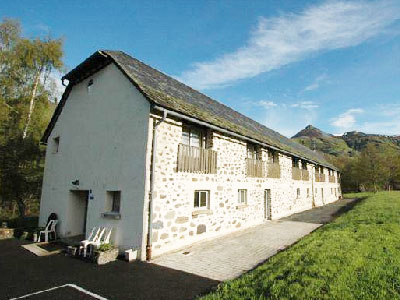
{"x": 114, "y": 201}
{"x": 242, "y": 196}
{"x": 89, "y": 85}
{"x": 202, "y": 199}
{"x": 56, "y": 144}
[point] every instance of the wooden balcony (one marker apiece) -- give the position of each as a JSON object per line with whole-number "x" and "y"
{"x": 273, "y": 170}
{"x": 196, "y": 160}
{"x": 332, "y": 179}
{"x": 319, "y": 177}
{"x": 255, "y": 167}
{"x": 296, "y": 173}
{"x": 305, "y": 175}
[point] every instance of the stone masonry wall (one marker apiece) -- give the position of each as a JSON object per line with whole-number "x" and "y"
{"x": 175, "y": 221}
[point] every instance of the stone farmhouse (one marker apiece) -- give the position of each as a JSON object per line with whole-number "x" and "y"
{"x": 164, "y": 165}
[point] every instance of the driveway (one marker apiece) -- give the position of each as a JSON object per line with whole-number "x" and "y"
{"x": 230, "y": 256}
{"x": 22, "y": 273}
{"x": 172, "y": 276}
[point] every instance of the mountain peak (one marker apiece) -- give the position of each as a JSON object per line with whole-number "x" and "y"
{"x": 310, "y": 131}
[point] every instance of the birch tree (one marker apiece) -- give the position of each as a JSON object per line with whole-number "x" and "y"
{"x": 26, "y": 105}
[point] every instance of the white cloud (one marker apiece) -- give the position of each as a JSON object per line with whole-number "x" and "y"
{"x": 305, "y": 104}
{"x": 292, "y": 37}
{"x": 285, "y": 118}
{"x": 315, "y": 84}
{"x": 347, "y": 120}
{"x": 266, "y": 104}
{"x": 53, "y": 83}
{"x": 383, "y": 119}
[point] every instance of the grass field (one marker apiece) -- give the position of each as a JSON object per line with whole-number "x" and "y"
{"x": 357, "y": 256}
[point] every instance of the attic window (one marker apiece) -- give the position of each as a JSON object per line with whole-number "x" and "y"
{"x": 56, "y": 144}
{"x": 253, "y": 151}
{"x": 295, "y": 162}
{"x": 273, "y": 157}
{"x": 89, "y": 85}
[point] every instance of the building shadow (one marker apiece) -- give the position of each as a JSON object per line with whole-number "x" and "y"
{"x": 23, "y": 273}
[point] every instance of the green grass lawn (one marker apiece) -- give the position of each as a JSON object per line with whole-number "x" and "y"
{"x": 357, "y": 256}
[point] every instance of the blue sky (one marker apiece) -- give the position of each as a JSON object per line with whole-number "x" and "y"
{"x": 286, "y": 64}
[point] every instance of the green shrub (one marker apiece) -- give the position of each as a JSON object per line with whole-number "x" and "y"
{"x": 105, "y": 247}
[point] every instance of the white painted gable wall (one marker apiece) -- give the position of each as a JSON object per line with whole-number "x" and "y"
{"x": 103, "y": 138}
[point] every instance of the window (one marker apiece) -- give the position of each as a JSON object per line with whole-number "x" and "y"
{"x": 242, "y": 196}
{"x": 298, "y": 193}
{"x": 308, "y": 192}
{"x": 114, "y": 201}
{"x": 193, "y": 136}
{"x": 273, "y": 157}
{"x": 295, "y": 162}
{"x": 202, "y": 199}
{"x": 56, "y": 144}
{"x": 89, "y": 85}
{"x": 253, "y": 151}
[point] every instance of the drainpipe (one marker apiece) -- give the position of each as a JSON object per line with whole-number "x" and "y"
{"x": 152, "y": 179}
{"x": 312, "y": 187}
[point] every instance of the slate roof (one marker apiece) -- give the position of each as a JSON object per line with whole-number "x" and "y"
{"x": 169, "y": 93}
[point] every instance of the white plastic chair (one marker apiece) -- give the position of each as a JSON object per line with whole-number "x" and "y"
{"x": 94, "y": 236}
{"x": 50, "y": 228}
{"x": 101, "y": 240}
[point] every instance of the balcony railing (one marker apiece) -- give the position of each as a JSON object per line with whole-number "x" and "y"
{"x": 332, "y": 179}
{"x": 305, "y": 175}
{"x": 196, "y": 160}
{"x": 319, "y": 177}
{"x": 261, "y": 168}
{"x": 296, "y": 173}
{"x": 255, "y": 167}
{"x": 273, "y": 170}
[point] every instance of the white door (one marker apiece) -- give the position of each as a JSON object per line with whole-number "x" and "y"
{"x": 267, "y": 204}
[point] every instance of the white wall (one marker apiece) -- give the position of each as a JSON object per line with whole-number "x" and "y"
{"x": 103, "y": 138}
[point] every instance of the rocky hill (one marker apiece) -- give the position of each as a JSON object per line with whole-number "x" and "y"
{"x": 347, "y": 144}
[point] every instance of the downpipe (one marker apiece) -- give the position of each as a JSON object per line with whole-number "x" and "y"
{"x": 152, "y": 179}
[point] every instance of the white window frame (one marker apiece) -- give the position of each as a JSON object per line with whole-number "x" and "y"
{"x": 199, "y": 204}
{"x": 242, "y": 196}
{"x": 190, "y": 131}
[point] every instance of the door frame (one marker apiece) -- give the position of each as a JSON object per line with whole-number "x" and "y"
{"x": 267, "y": 204}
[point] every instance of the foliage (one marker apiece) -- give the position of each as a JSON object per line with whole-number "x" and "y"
{"x": 377, "y": 167}
{"x": 357, "y": 256}
{"x": 366, "y": 161}
{"x": 105, "y": 247}
{"x": 26, "y": 104}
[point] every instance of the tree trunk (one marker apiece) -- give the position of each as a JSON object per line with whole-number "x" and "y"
{"x": 21, "y": 207}
{"x": 31, "y": 104}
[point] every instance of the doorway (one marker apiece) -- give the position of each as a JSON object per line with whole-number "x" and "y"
{"x": 78, "y": 213}
{"x": 267, "y": 204}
